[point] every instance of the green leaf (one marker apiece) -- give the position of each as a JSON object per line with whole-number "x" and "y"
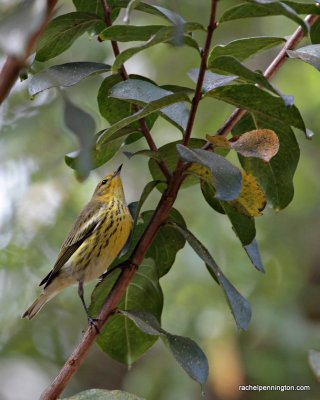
{"x": 315, "y": 32}
{"x": 301, "y": 8}
{"x": 143, "y": 92}
{"x": 114, "y": 110}
{"x": 253, "y": 99}
{"x": 91, "y": 6}
{"x": 131, "y": 6}
{"x": 230, "y": 65}
{"x": 144, "y": 195}
{"x": 275, "y": 177}
{"x": 239, "y": 306}
{"x": 164, "y": 35}
{"x": 20, "y": 25}
{"x": 111, "y": 133}
{"x": 129, "y": 33}
{"x": 166, "y": 244}
{"x": 63, "y": 31}
{"x": 211, "y": 80}
{"x": 243, "y": 226}
{"x": 309, "y": 54}
{"x": 186, "y": 352}
{"x": 64, "y": 75}
{"x": 190, "y": 41}
{"x": 120, "y": 338}
{"x": 102, "y": 153}
{"x": 83, "y": 127}
{"x": 103, "y": 394}
{"x": 253, "y": 253}
{"x": 135, "y": 208}
{"x": 94, "y": 6}
{"x": 226, "y": 177}
{"x": 314, "y": 362}
{"x": 147, "y": 153}
{"x": 169, "y": 15}
{"x": 168, "y": 153}
{"x": 245, "y": 48}
{"x": 263, "y": 9}
{"x": 209, "y": 193}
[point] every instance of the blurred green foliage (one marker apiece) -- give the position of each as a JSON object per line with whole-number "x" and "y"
{"x": 40, "y": 198}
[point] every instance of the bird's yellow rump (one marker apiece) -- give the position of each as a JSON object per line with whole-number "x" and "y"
{"x": 96, "y": 239}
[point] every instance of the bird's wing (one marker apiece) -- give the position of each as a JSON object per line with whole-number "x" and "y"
{"x": 78, "y": 234}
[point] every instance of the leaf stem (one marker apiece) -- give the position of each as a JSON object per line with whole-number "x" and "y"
{"x": 123, "y": 72}
{"x": 10, "y": 71}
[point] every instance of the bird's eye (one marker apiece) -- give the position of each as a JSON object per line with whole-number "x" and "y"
{"x": 104, "y": 181}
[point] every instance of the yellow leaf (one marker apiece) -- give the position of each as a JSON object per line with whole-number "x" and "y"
{"x": 218, "y": 141}
{"x": 252, "y": 199}
{"x": 260, "y": 143}
{"x": 200, "y": 171}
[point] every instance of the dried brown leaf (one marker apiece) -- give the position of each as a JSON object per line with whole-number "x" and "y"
{"x": 259, "y": 143}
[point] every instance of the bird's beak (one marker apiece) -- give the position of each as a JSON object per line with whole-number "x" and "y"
{"x": 117, "y": 172}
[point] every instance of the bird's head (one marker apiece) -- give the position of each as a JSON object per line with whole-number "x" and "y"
{"x": 110, "y": 186}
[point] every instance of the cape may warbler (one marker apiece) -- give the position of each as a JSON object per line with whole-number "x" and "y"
{"x": 96, "y": 239}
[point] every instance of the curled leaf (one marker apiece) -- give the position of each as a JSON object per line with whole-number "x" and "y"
{"x": 226, "y": 177}
{"x": 259, "y": 143}
{"x": 239, "y": 306}
{"x": 186, "y": 352}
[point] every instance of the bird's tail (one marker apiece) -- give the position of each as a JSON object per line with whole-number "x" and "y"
{"x": 36, "y": 306}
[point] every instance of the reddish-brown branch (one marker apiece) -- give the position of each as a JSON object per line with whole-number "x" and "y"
{"x": 13, "y": 65}
{"x": 203, "y": 66}
{"x": 123, "y": 72}
{"x": 269, "y": 73}
{"x": 159, "y": 217}
{"x": 80, "y": 352}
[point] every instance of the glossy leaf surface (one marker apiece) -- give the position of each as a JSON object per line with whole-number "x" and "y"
{"x": 226, "y": 177}
{"x": 63, "y": 31}
{"x": 187, "y": 353}
{"x": 64, "y": 75}
{"x": 244, "y": 48}
{"x": 121, "y": 339}
{"x": 239, "y": 306}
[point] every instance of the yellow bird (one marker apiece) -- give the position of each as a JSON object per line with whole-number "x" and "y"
{"x": 96, "y": 239}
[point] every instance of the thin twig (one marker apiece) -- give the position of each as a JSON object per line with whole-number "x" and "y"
{"x": 203, "y": 66}
{"x": 123, "y": 72}
{"x": 159, "y": 217}
{"x": 13, "y": 65}
{"x": 269, "y": 73}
